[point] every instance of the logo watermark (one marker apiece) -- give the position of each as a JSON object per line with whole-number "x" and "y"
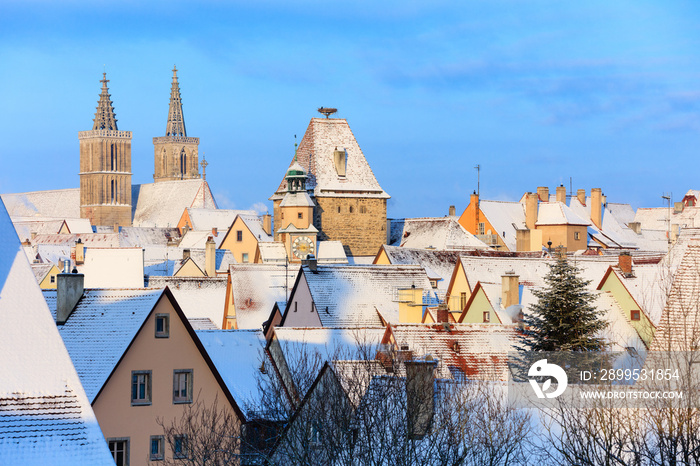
{"x": 625, "y": 379}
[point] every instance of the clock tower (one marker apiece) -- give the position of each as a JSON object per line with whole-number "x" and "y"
{"x": 296, "y": 214}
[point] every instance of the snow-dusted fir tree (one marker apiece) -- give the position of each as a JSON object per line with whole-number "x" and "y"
{"x": 564, "y": 317}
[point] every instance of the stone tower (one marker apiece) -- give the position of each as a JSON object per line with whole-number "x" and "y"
{"x": 105, "y": 167}
{"x": 349, "y": 203}
{"x": 176, "y": 155}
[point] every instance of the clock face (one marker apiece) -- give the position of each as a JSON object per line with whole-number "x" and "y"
{"x": 302, "y": 246}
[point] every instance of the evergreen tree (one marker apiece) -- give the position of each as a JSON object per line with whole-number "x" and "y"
{"x": 564, "y": 318}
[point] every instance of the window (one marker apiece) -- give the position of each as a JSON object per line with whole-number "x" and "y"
{"x": 53, "y": 278}
{"x": 363, "y": 209}
{"x": 180, "y": 446}
{"x": 300, "y": 215}
{"x": 140, "y": 388}
{"x": 182, "y": 386}
{"x": 157, "y": 443}
{"x": 338, "y": 209}
{"x": 351, "y": 209}
{"x": 282, "y": 214}
{"x": 433, "y": 283}
{"x": 635, "y": 315}
{"x": 576, "y": 235}
{"x": 487, "y": 316}
{"x": 239, "y": 235}
{"x": 119, "y": 447}
{"x": 245, "y": 257}
{"x": 482, "y": 228}
{"x": 295, "y": 306}
{"x": 162, "y": 325}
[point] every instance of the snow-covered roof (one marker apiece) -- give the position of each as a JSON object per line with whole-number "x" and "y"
{"x": 98, "y": 240}
{"x": 481, "y": 350}
{"x": 59, "y": 203}
{"x": 206, "y": 219}
{"x": 26, "y": 229}
{"x": 315, "y": 154}
{"x": 197, "y": 239}
{"x": 652, "y": 218}
{"x": 331, "y": 252}
{"x": 506, "y": 218}
{"x": 558, "y": 213}
{"x": 272, "y": 253}
{"x": 256, "y": 288}
{"x": 141, "y": 237}
{"x": 255, "y": 225}
{"x": 443, "y": 233}
{"x": 198, "y": 298}
{"x": 162, "y": 204}
{"x": 297, "y": 199}
{"x": 113, "y": 268}
{"x": 224, "y": 258}
{"x": 614, "y": 233}
{"x": 330, "y": 343}
{"x": 41, "y": 270}
{"x": 53, "y": 252}
{"x": 623, "y": 212}
{"x": 619, "y": 333}
{"x": 238, "y": 356}
{"x": 531, "y": 270}
{"x": 101, "y": 327}
{"x": 352, "y": 295}
{"x": 45, "y": 416}
{"x": 679, "y": 326}
{"x": 440, "y": 262}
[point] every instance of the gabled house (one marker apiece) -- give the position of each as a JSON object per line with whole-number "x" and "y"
{"x": 139, "y": 360}
{"x": 441, "y": 233}
{"x": 243, "y": 237}
{"x": 45, "y": 417}
{"x": 45, "y": 274}
{"x": 358, "y": 296}
{"x": 201, "y": 299}
{"x": 209, "y": 219}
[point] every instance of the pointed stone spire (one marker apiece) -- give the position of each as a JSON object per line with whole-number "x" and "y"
{"x": 104, "y": 116}
{"x": 176, "y": 122}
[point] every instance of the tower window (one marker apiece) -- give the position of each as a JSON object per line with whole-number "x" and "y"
{"x": 338, "y": 209}
{"x": 363, "y": 209}
{"x": 112, "y": 192}
{"x": 351, "y": 209}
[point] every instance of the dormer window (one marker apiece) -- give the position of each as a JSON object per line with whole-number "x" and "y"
{"x": 340, "y": 159}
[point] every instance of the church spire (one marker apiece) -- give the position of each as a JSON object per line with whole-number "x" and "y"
{"x": 104, "y": 116}
{"x": 176, "y": 122}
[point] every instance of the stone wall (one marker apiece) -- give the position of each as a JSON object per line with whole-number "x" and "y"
{"x": 359, "y": 223}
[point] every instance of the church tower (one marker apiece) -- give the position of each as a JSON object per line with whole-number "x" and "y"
{"x": 105, "y": 167}
{"x": 176, "y": 155}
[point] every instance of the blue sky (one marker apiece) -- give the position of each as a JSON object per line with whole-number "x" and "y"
{"x": 534, "y": 91}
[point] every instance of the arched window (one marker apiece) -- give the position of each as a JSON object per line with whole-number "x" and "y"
{"x": 111, "y": 156}
{"x": 183, "y": 163}
{"x": 112, "y": 191}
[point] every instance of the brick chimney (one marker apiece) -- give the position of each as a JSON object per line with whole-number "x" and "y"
{"x": 530, "y": 210}
{"x": 624, "y": 260}
{"x": 474, "y": 202}
{"x": 510, "y": 289}
{"x": 420, "y": 396}
{"x": 267, "y": 224}
{"x": 210, "y": 258}
{"x": 185, "y": 254}
{"x": 452, "y": 211}
{"x": 543, "y": 193}
{"x": 69, "y": 290}
{"x": 443, "y": 314}
{"x": 581, "y": 195}
{"x": 561, "y": 194}
{"x": 597, "y": 207}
